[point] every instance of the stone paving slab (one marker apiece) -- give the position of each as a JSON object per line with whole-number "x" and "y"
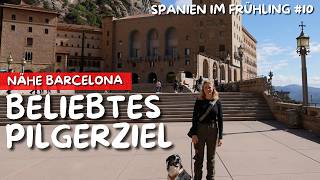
{"x": 251, "y": 151}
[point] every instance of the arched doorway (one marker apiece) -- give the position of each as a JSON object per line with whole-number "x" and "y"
{"x": 152, "y": 78}
{"x": 205, "y": 69}
{"x": 229, "y": 75}
{"x": 235, "y": 75}
{"x": 222, "y": 73}
{"x": 171, "y": 76}
{"x": 135, "y": 78}
{"x": 188, "y": 74}
{"x": 215, "y": 71}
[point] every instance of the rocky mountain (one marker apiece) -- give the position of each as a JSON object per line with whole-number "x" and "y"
{"x": 91, "y": 12}
{"x": 296, "y": 92}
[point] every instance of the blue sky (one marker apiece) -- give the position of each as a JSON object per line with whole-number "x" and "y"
{"x": 276, "y": 36}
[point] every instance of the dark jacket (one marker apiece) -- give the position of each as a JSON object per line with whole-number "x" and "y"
{"x": 215, "y": 116}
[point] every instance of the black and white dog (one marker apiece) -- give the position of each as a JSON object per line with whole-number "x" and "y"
{"x": 175, "y": 168}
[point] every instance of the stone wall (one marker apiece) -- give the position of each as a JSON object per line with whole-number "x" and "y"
{"x": 293, "y": 115}
{"x": 257, "y": 85}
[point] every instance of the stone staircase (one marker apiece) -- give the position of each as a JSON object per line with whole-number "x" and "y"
{"x": 174, "y": 107}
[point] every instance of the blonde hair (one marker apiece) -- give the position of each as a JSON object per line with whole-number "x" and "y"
{"x": 215, "y": 94}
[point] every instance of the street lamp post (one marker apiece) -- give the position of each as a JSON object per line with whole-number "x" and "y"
{"x": 303, "y": 50}
{"x": 9, "y": 61}
{"x": 240, "y": 51}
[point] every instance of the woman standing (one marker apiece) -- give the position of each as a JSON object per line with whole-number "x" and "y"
{"x": 207, "y": 128}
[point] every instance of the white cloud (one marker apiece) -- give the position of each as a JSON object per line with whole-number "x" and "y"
{"x": 314, "y": 82}
{"x": 315, "y": 47}
{"x": 271, "y": 56}
{"x": 282, "y": 80}
{"x": 183, "y": 2}
{"x": 265, "y": 66}
{"x": 268, "y": 49}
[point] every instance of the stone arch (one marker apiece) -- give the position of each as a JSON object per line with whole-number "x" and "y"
{"x": 205, "y": 68}
{"x": 222, "y": 73}
{"x": 229, "y": 74}
{"x": 235, "y": 75}
{"x": 215, "y": 71}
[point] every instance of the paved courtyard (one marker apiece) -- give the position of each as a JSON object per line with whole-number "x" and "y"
{"x": 251, "y": 151}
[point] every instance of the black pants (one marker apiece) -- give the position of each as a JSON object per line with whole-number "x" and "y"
{"x": 207, "y": 136}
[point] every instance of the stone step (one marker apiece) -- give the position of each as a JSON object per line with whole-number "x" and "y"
{"x": 174, "y": 108}
{"x": 52, "y": 102}
{"x": 110, "y": 121}
{"x": 166, "y": 116}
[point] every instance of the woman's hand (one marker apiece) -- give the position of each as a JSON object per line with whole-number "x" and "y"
{"x": 195, "y": 139}
{"x": 219, "y": 142}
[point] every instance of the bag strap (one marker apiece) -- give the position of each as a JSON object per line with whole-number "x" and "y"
{"x": 208, "y": 110}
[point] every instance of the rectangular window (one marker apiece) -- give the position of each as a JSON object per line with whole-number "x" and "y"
{"x": 13, "y": 27}
{"x": 76, "y": 54}
{"x": 119, "y": 55}
{"x": 46, "y": 31}
{"x": 30, "y": 19}
{"x": 89, "y": 54}
{"x": 136, "y": 53}
{"x": 30, "y": 29}
{"x": 174, "y": 52}
{"x": 29, "y": 41}
{"x": 154, "y": 52}
{"x": 47, "y": 20}
{"x": 13, "y": 17}
{"x": 187, "y": 51}
{"x": 28, "y": 56}
{"x": 88, "y": 45}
